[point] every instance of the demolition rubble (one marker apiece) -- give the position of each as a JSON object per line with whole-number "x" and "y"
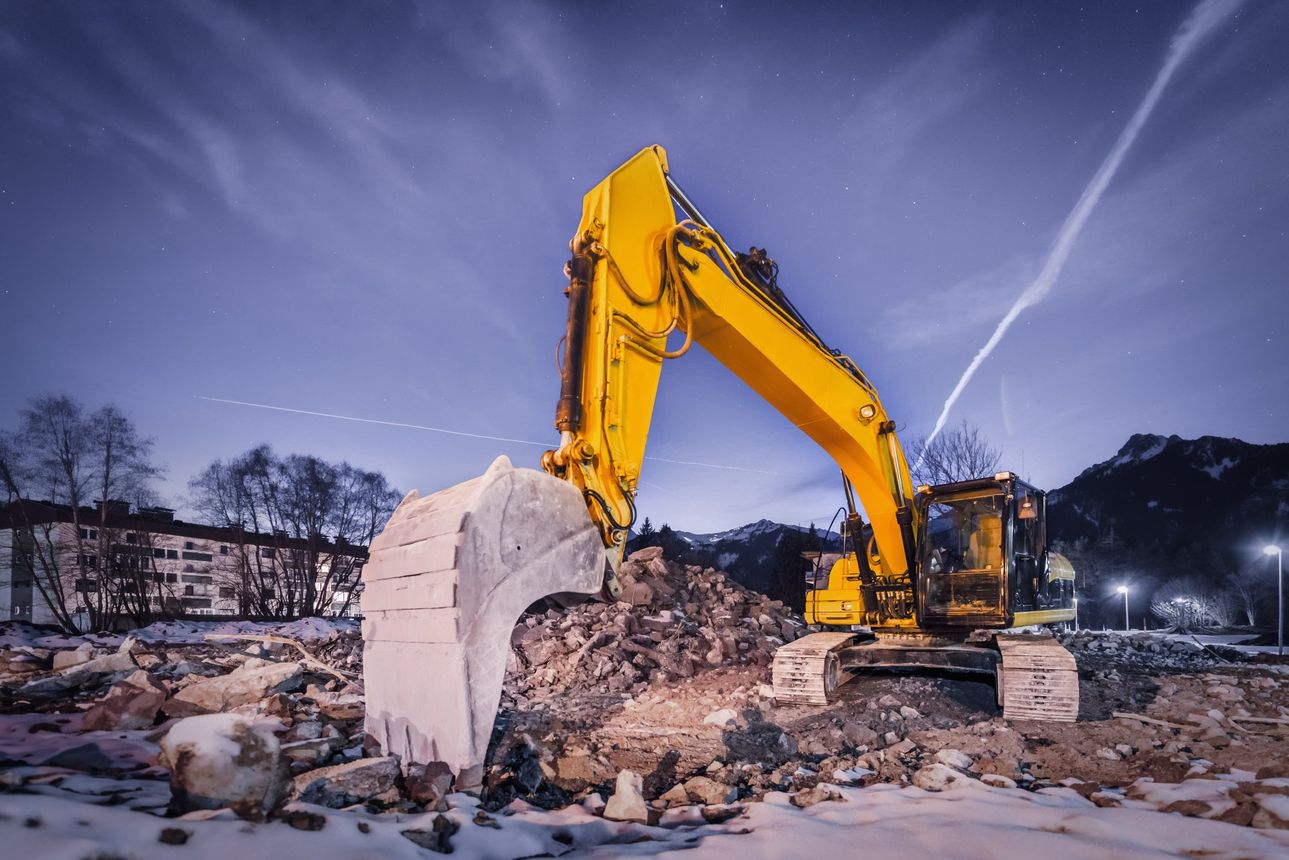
{"x": 635, "y": 711}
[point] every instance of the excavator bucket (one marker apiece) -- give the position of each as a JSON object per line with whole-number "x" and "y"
{"x": 445, "y": 582}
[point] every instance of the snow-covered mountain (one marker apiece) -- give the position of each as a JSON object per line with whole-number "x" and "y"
{"x": 747, "y": 552}
{"x": 1164, "y": 493}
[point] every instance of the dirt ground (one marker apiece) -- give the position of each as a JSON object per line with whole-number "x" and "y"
{"x": 885, "y": 726}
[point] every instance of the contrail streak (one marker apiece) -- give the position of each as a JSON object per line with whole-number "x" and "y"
{"x": 454, "y": 432}
{"x": 1197, "y": 26}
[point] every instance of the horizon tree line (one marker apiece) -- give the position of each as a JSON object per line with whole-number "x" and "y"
{"x": 316, "y": 514}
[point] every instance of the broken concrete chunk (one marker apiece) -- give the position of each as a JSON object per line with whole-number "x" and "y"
{"x": 247, "y": 684}
{"x": 817, "y": 794}
{"x": 937, "y": 777}
{"x": 723, "y": 717}
{"x": 997, "y": 780}
{"x": 705, "y": 790}
{"x": 345, "y": 784}
{"x": 132, "y": 703}
{"x": 627, "y": 802}
{"x": 224, "y": 760}
{"x": 74, "y": 657}
{"x": 953, "y": 758}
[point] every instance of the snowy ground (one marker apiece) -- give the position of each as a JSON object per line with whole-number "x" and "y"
{"x": 70, "y": 793}
{"x": 176, "y": 632}
{"x": 970, "y": 821}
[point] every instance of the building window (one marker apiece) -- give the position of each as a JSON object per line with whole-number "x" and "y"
{"x": 189, "y": 591}
{"x": 198, "y": 556}
{"x": 196, "y": 603}
{"x": 198, "y": 579}
{"x": 89, "y": 534}
{"x": 223, "y": 549}
{"x": 172, "y": 553}
{"x": 172, "y": 577}
{"x": 158, "y": 553}
{"x": 89, "y": 586}
{"x": 88, "y": 559}
{"x": 226, "y": 592}
{"x": 266, "y": 552}
{"x": 131, "y": 537}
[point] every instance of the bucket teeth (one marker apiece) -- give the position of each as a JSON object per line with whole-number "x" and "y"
{"x": 445, "y": 583}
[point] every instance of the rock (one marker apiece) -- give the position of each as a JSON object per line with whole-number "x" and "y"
{"x": 245, "y": 685}
{"x": 997, "y": 780}
{"x": 81, "y": 757}
{"x": 705, "y": 790}
{"x": 303, "y": 819}
{"x": 909, "y": 713}
{"x": 637, "y": 594}
{"x": 224, "y": 760}
{"x": 1108, "y": 754}
{"x": 173, "y": 836}
{"x": 627, "y": 802}
{"x": 953, "y": 758}
{"x": 437, "y": 839}
{"x": 859, "y": 735}
{"x": 818, "y": 794}
{"x": 888, "y": 701}
{"x": 723, "y": 717}
{"x": 429, "y": 785}
{"x": 643, "y": 556}
{"x": 937, "y": 777}
{"x": 131, "y": 704}
{"x": 675, "y": 796}
{"x": 75, "y": 657}
{"x": 345, "y": 784}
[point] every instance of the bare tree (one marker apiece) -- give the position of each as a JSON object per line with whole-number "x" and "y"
{"x": 1248, "y": 590}
{"x": 303, "y": 525}
{"x": 1188, "y": 603}
{"x": 61, "y": 454}
{"x": 959, "y": 454}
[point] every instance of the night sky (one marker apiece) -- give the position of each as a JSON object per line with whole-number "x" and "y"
{"x": 364, "y": 210}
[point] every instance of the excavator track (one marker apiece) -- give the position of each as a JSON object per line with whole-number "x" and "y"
{"x": 808, "y": 671}
{"x": 1038, "y": 679}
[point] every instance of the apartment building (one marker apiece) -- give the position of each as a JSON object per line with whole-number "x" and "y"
{"x": 147, "y": 557}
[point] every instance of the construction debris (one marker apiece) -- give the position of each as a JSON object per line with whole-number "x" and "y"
{"x": 637, "y": 711}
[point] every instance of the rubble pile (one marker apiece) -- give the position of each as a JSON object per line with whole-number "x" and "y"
{"x": 1147, "y": 650}
{"x": 671, "y": 622}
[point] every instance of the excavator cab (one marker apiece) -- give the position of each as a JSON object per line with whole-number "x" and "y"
{"x": 982, "y": 556}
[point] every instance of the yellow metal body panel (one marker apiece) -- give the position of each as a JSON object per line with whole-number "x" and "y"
{"x": 1059, "y": 567}
{"x": 1042, "y": 616}
{"x": 655, "y": 276}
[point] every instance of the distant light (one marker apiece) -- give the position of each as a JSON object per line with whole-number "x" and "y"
{"x": 1179, "y": 600}
{"x": 1271, "y": 549}
{"x": 1123, "y": 589}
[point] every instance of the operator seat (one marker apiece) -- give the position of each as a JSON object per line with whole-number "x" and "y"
{"x": 985, "y": 551}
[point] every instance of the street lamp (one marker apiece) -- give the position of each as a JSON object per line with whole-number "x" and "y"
{"x": 1272, "y": 549}
{"x": 1123, "y": 589}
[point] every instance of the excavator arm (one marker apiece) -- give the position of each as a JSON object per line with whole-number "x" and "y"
{"x": 639, "y": 279}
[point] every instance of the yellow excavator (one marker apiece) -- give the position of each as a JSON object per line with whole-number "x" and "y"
{"x": 938, "y": 576}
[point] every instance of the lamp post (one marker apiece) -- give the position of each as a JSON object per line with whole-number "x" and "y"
{"x": 1273, "y": 549}
{"x": 1123, "y": 589}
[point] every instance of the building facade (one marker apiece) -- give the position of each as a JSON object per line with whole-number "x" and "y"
{"x": 108, "y": 562}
